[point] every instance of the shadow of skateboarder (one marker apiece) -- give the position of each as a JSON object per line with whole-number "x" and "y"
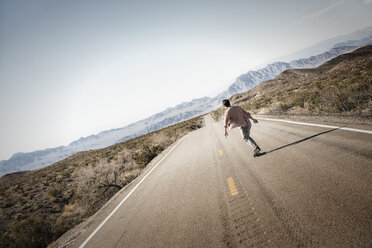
{"x": 296, "y": 142}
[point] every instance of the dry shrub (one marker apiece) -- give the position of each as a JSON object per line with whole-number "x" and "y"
{"x": 160, "y": 139}
{"x": 146, "y": 154}
{"x": 31, "y": 232}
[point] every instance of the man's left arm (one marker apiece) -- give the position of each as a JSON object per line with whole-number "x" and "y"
{"x": 249, "y": 116}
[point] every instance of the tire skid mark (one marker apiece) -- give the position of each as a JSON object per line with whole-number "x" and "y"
{"x": 259, "y": 243}
{"x": 226, "y": 238}
{"x": 286, "y": 220}
{"x": 244, "y": 228}
{"x": 245, "y": 224}
{"x": 253, "y": 228}
{"x": 245, "y": 216}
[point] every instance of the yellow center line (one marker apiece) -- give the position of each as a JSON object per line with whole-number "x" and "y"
{"x": 220, "y": 152}
{"x": 232, "y": 186}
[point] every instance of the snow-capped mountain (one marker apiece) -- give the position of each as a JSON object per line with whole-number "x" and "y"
{"x": 358, "y": 43}
{"x": 172, "y": 115}
{"x": 252, "y": 78}
{"x": 323, "y": 46}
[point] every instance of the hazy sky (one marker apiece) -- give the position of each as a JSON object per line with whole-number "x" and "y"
{"x": 71, "y": 68}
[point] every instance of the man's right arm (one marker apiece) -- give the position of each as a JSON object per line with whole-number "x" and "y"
{"x": 226, "y": 122}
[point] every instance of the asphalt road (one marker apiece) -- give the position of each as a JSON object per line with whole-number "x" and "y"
{"x": 312, "y": 188}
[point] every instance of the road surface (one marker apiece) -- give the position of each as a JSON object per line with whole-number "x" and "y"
{"x": 312, "y": 188}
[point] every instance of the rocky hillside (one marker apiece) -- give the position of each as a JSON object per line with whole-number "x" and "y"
{"x": 37, "y": 207}
{"x": 342, "y": 85}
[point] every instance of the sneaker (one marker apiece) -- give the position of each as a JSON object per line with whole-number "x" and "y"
{"x": 256, "y": 151}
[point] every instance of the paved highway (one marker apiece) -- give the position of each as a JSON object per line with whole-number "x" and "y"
{"x": 312, "y": 188}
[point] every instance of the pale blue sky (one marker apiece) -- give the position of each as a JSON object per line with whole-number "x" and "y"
{"x": 74, "y": 68}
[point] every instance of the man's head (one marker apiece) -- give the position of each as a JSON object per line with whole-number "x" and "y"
{"x": 226, "y": 103}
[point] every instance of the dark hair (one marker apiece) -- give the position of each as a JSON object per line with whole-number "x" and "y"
{"x": 226, "y": 103}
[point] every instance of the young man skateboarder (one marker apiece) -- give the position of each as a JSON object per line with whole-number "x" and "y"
{"x": 235, "y": 116}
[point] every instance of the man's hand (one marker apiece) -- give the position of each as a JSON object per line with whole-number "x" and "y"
{"x": 226, "y": 133}
{"x": 255, "y": 121}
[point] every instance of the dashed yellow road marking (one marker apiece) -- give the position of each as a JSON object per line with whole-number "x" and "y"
{"x": 220, "y": 152}
{"x": 232, "y": 186}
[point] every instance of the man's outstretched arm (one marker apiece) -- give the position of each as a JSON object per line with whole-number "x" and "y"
{"x": 253, "y": 119}
{"x": 225, "y": 123}
{"x": 249, "y": 116}
{"x": 226, "y": 133}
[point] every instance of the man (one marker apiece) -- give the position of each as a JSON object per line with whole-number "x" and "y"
{"x": 235, "y": 116}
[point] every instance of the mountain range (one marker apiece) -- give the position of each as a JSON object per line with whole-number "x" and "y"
{"x": 38, "y": 159}
{"x": 352, "y": 39}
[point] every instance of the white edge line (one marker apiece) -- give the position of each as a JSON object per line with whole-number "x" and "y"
{"x": 108, "y": 217}
{"x": 318, "y": 125}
